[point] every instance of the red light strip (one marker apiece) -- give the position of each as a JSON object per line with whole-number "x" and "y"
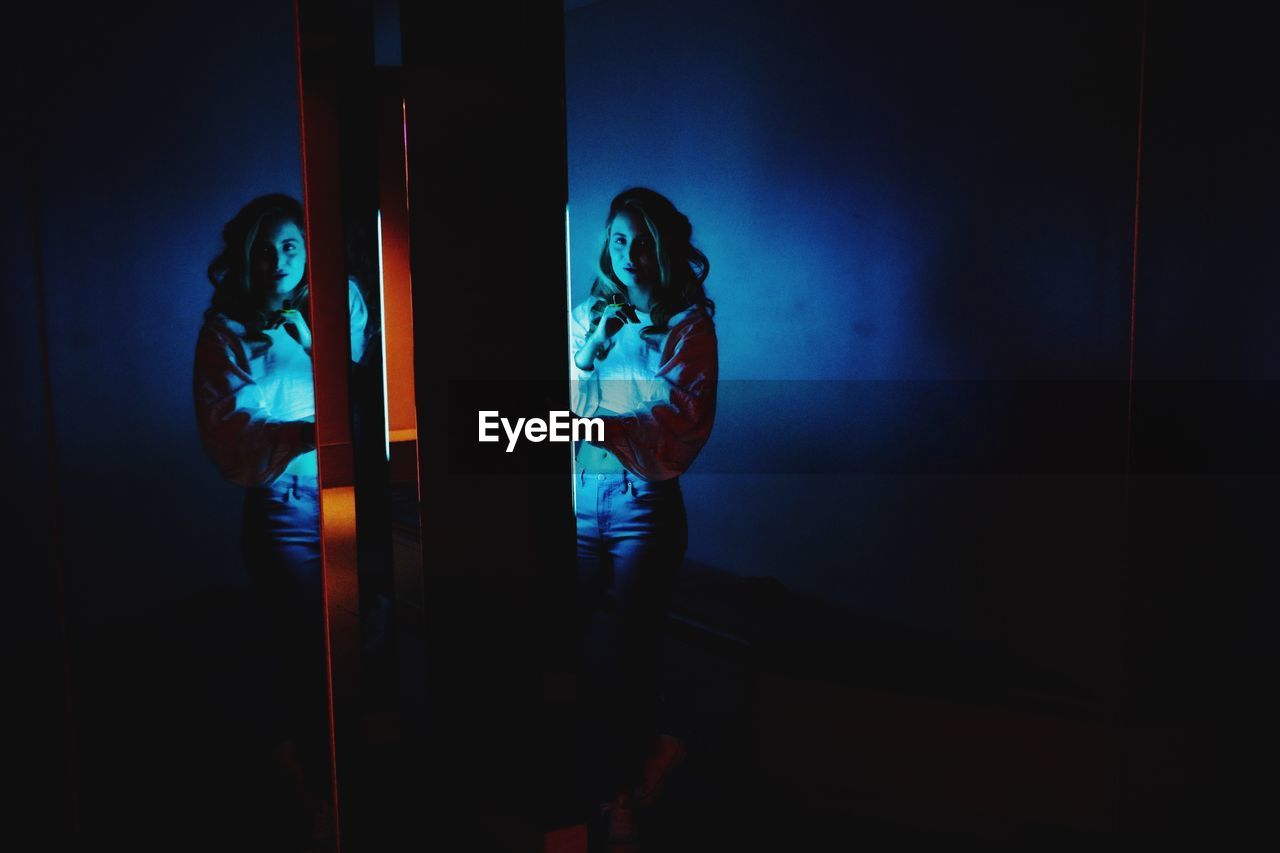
{"x": 324, "y": 568}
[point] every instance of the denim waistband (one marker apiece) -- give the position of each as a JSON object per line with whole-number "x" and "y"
{"x": 297, "y": 485}
{"x": 630, "y": 482}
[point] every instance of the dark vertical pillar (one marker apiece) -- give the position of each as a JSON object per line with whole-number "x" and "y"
{"x": 487, "y": 194}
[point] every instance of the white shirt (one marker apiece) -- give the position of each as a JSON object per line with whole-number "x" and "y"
{"x": 655, "y": 391}
{"x": 255, "y": 399}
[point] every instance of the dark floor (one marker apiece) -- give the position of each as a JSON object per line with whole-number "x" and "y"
{"x": 787, "y": 749}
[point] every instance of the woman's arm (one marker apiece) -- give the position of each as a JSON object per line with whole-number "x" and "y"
{"x": 235, "y": 424}
{"x": 660, "y": 441}
{"x": 359, "y": 312}
{"x": 584, "y": 384}
{"x": 585, "y": 358}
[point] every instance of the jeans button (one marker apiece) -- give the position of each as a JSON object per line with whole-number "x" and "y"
{"x": 599, "y": 476}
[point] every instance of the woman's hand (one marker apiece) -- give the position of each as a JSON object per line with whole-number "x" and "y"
{"x": 597, "y": 345}
{"x": 614, "y": 316}
{"x": 296, "y": 326}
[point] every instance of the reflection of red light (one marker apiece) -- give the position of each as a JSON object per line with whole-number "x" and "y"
{"x": 338, "y": 506}
{"x": 396, "y": 278}
{"x": 404, "y": 142}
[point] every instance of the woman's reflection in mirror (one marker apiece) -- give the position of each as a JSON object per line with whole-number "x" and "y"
{"x": 255, "y": 407}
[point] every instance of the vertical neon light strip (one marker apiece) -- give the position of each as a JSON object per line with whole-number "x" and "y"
{"x": 568, "y": 298}
{"x": 382, "y": 335}
{"x": 324, "y": 553}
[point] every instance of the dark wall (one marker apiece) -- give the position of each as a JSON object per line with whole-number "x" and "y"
{"x": 35, "y": 628}
{"x": 151, "y": 124}
{"x": 1201, "y": 636}
{"x": 919, "y": 222}
{"x": 155, "y": 123}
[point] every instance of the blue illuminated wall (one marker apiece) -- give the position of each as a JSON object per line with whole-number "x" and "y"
{"x": 155, "y": 126}
{"x": 907, "y": 207}
{"x": 150, "y": 123}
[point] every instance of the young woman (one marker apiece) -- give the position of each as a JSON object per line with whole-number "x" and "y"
{"x": 645, "y": 360}
{"x": 255, "y": 407}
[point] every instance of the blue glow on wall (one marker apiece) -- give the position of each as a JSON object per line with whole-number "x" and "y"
{"x": 145, "y": 152}
{"x": 902, "y": 206}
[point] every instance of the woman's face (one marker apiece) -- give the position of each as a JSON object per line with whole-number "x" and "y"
{"x": 631, "y": 251}
{"x": 278, "y": 257}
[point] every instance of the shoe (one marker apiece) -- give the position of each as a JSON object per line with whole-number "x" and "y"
{"x": 620, "y": 818}
{"x": 665, "y": 754}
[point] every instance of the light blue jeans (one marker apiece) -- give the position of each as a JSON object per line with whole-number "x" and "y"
{"x": 281, "y": 540}
{"x": 632, "y": 537}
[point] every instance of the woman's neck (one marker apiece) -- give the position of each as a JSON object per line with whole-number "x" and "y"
{"x": 640, "y": 299}
{"x": 277, "y": 301}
